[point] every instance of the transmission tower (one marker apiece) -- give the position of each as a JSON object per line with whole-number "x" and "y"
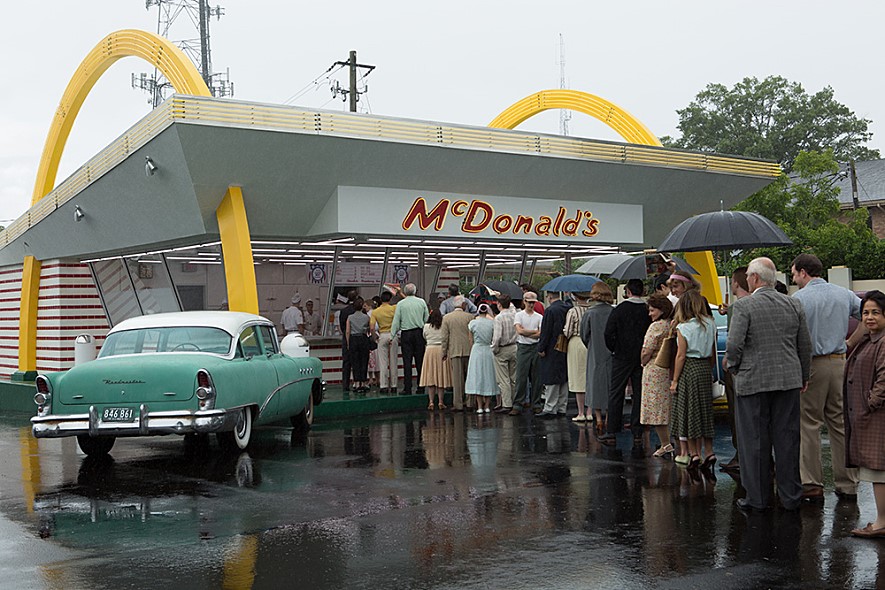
{"x": 564, "y": 114}
{"x": 197, "y": 14}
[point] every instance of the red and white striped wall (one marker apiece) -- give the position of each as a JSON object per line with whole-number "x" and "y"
{"x": 68, "y": 305}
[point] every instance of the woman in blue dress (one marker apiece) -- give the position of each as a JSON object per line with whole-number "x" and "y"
{"x": 481, "y": 380}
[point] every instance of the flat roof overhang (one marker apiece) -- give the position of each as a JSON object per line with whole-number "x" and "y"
{"x": 292, "y": 163}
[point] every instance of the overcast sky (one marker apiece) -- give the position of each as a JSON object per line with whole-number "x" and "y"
{"x": 456, "y": 61}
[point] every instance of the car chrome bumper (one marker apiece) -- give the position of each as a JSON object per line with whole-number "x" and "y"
{"x": 147, "y": 424}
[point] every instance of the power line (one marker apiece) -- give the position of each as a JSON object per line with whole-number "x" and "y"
{"x": 313, "y": 84}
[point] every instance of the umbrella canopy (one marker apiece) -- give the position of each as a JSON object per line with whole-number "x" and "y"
{"x": 606, "y": 265}
{"x": 724, "y": 230}
{"x": 506, "y": 287}
{"x": 683, "y": 266}
{"x": 571, "y": 283}
{"x": 624, "y": 267}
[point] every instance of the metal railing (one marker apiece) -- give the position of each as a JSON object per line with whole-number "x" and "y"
{"x": 213, "y": 112}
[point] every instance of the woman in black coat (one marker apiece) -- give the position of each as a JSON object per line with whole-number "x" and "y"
{"x": 553, "y": 364}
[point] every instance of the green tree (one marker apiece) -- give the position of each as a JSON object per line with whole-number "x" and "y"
{"x": 773, "y": 119}
{"x": 806, "y": 207}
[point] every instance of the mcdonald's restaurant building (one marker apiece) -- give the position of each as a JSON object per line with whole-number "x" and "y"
{"x": 207, "y": 203}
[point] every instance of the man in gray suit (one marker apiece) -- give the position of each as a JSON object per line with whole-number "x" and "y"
{"x": 769, "y": 354}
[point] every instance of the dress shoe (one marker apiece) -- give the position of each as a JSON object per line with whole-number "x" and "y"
{"x": 732, "y": 465}
{"x": 813, "y": 495}
{"x": 546, "y": 415}
{"x": 846, "y": 496}
{"x": 514, "y": 412}
{"x": 745, "y": 505}
{"x": 868, "y": 532}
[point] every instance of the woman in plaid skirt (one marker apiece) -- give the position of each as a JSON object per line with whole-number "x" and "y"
{"x": 692, "y": 382}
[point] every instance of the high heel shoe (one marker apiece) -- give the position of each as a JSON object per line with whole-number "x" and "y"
{"x": 430, "y": 406}
{"x": 709, "y": 462}
{"x": 683, "y": 460}
{"x": 664, "y": 451}
{"x": 694, "y": 462}
{"x": 441, "y": 406}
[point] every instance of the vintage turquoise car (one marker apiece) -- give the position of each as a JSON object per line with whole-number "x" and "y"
{"x": 186, "y": 373}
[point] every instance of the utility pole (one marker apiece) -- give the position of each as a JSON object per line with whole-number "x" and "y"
{"x": 353, "y": 94}
{"x": 854, "y": 198}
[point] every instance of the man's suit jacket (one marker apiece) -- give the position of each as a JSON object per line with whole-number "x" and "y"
{"x": 769, "y": 347}
{"x": 456, "y": 338}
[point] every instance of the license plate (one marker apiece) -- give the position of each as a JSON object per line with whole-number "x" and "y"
{"x": 118, "y": 415}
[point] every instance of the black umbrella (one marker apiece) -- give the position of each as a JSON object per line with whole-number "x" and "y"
{"x": 724, "y": 230}
{"x": 506, "y": 287}
{"x": 624, "y": 267}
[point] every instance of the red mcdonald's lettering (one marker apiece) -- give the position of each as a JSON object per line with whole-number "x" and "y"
{"x": 542, "y": 228}
{"x": 523, "y": 224}
{"x": 502, "y": 223}
{"x": 470, "y": 224}
{"x": 459, "y": 207}
{"x": 592, "y": 225}
{"x": 435, "y": 217}
{"x": 558, "y": 223}
{"x": 570, "y": 227}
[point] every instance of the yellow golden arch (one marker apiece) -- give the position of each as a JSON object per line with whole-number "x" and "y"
{"x": 625, "y": 125}
{"x": 231, "y": 213}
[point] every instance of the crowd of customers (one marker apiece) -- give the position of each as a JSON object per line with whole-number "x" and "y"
{"x": 790, "y": 367}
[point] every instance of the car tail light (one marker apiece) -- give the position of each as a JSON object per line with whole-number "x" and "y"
{"x": 43, "y": 395}
{"x": 205, "y": 391}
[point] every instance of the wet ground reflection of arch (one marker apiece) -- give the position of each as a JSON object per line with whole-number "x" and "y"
{"x": 423, "y": 500}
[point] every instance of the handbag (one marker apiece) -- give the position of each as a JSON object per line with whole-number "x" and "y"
{"x": 667, "y": 353}
{"x": 561, "y": 343}
{"x": 373, "y": 341}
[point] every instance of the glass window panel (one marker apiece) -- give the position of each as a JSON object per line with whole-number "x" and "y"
{"x": 249, "y": 342}
{"x": 116, "y": 290}
{"x": 153, "y": 285}
{"x": 267, "y": 338}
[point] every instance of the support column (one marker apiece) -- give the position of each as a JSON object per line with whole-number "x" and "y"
{"x": 525, "y": 257}
{"x": 331, "y": 291}
{"x": 480, "y": 273}
{"x": 236, "y": 248}
{"x": 27, "y": 329}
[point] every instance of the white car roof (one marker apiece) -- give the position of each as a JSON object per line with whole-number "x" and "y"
{"x": 229, "y": 321}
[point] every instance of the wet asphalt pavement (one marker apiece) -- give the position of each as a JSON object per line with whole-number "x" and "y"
{"x": 409, "y": 501}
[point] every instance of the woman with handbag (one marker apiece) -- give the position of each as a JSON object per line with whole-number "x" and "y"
{"x": 656, "y": 397}
{"x": 436, "y": 375}
{"x": 576, "y": 353}
{"x": 599, "y": 357}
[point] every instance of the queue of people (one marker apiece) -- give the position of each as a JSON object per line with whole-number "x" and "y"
{"x": 785, "y": 372}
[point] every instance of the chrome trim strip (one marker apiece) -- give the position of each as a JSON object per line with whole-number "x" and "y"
{"x": 274, "y": 392}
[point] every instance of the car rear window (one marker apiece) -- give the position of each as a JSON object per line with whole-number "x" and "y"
{"x": 178, "y": 339}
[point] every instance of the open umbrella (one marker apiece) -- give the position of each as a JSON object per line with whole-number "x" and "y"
{"x": 625, "y": 267}
{"x": 724, "y": 230}
{"x": 606, "y": 265}
{"x": 506, "y": 287}
{"x": 571, "y": 284}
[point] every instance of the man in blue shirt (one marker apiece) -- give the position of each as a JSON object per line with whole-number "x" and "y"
{"x": 827, "y": 309}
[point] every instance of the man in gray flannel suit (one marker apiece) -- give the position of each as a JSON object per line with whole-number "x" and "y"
{"x": 769, "y": 354}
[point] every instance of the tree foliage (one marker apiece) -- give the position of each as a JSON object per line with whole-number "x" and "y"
{"x": 773, "y": 119}
{"x": 806, "y": 207}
